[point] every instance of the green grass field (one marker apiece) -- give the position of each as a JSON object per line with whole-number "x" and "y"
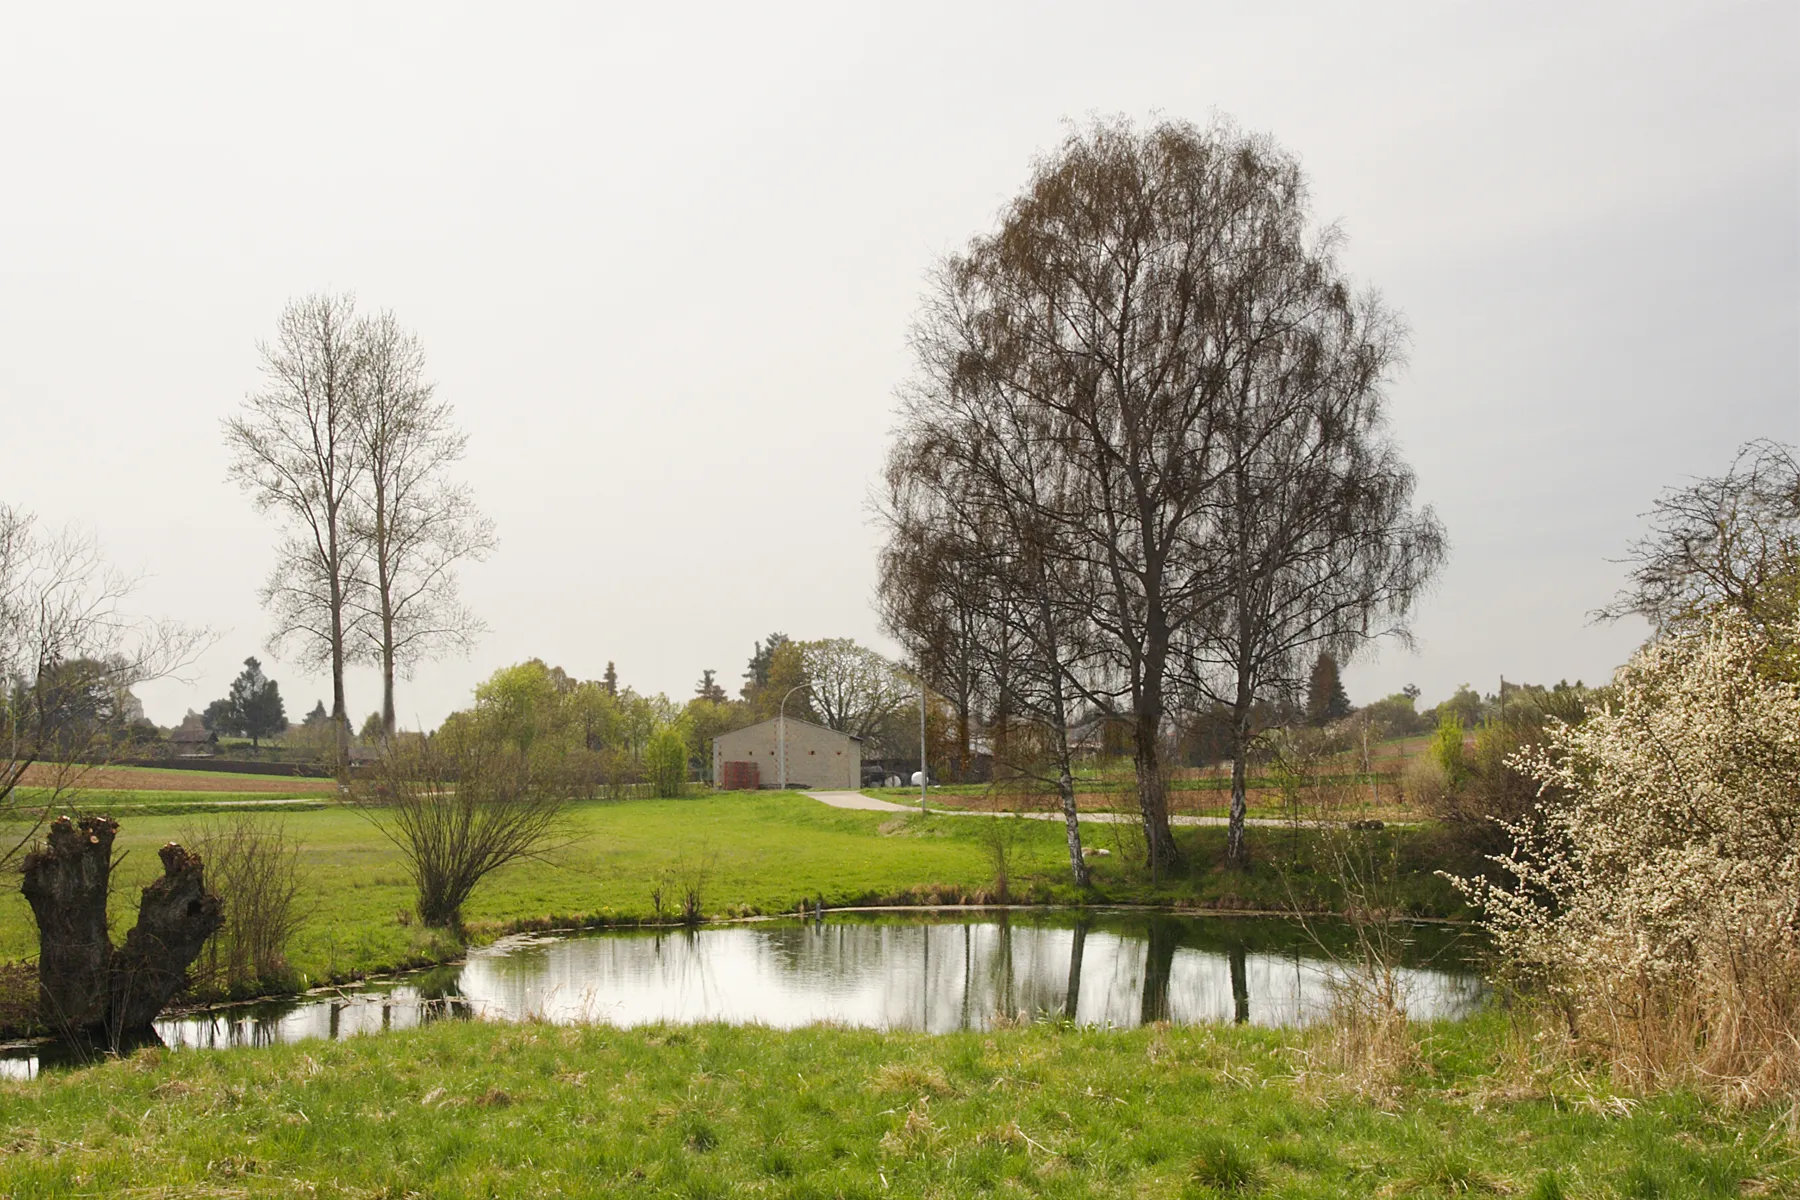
{"x": 160, "y": 773}
{"x": 761, "y": 852}
{"x": 477, "y": 1110}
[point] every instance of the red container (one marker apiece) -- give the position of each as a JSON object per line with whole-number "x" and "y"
{"x": 740, "y": 777}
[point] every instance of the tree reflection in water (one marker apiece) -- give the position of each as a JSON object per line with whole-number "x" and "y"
{"x": 1159, "y": 963}
{"x": 1240, "y": 984}
{"x": 1094, "y": 968}
{"x": 1072, "y": 990}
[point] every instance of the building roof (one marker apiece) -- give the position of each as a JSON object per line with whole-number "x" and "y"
{"x": 791, "y": 721}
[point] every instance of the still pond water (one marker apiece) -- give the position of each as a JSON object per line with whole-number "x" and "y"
{"x": 935, "y": 973}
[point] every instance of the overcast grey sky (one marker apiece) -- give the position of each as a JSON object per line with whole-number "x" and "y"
{"x": 663, "y": 259}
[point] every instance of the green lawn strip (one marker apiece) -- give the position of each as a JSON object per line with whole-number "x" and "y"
{"x": 485, "y": 1110}
{"x": 324, "y": 784}
{"x": 761, "y": 852}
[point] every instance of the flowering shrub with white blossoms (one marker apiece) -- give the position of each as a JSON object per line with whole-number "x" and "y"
{"x": 1656, "y": 898}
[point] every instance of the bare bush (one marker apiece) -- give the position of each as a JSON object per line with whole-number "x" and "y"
{"x": 461, "y": 807}
{"x": 1424, "y": 784}
{"x": 254, "y": 868}
{"x": 1654, "y": 907}
{"x": 999, "y": 837}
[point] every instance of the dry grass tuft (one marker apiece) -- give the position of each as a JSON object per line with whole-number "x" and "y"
{"x": 911, "y": 1079}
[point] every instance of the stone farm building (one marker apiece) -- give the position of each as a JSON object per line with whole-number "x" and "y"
{"x": 817, "y": 757}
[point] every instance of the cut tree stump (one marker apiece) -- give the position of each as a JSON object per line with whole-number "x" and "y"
{"x": 84, "y": 985}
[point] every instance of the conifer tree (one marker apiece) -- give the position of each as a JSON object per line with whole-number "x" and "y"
{"x": 1326, "y": 700}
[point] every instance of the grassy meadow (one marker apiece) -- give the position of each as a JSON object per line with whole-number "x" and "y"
{"x": 477, "y": 1109}
{"x": 485, "y": 1110}
{"x": 756, "y": 852}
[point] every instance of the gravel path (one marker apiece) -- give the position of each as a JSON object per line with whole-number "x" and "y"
{"x": 869, "y": 804}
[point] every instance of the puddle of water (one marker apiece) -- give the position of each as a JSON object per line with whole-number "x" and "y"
{"x": 935, "y": 974}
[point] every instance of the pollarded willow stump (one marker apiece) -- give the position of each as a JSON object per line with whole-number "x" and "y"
{"x": 65, "y": 881}
{"x": 175, "y": 917}
{"x": 84, "y": 985}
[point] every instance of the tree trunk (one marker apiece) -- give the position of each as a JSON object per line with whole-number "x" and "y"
{"x": 387, "y": 674}
{"x": 1059, "y": 715}
{"x": 1065, "y": 786}
{"x": 1153, "y": 800}
{"x": 340, "y": 716}
{"x": 175, "y": 917}
{"x": 65, "y": 883}
{"x": 84, "y": 986}
{"x": 1146, "y": 736}
{"x": 1237, "y": 847}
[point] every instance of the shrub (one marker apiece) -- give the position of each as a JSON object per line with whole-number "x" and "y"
{"x": 666, "y": 761}
{"x": 999, "y": 837}
{"x": 255, "y": 870}
{"x": 461, "y": 806}
{"x": 1654, "y": 905}
{"x": 1493, "y": 794}
{"x": 1447, "y": 748}
{"x": 1424, "y": 784}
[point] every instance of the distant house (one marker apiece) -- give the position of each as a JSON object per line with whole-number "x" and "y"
{"x": 192, "y": 739}
{"x": 817, "y": 757}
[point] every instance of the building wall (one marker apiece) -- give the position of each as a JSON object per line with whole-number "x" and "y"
{"x": 816, "y": 757}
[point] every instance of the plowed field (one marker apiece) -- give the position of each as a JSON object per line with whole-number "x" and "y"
{"x": 155, "y": 779}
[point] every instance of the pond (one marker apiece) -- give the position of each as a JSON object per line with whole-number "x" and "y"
{"x": 936, "y": 972}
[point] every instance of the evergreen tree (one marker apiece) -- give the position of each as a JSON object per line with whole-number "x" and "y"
{"x": 1326, "y": 700}
{"x": 708, "y": 688}
{"x": 254, "y": 707}
{"x": 610, "y": 681}
{"x": 757, "y": 676}
{"x": 318, "y": 715}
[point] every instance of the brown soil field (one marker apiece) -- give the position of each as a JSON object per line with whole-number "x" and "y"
{"x": 148, "y": 779}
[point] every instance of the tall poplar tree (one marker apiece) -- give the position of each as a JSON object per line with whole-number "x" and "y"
{"x": 295, "y": 449}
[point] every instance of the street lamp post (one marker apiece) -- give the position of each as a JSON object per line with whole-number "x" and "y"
{"x": 781, "y": 732}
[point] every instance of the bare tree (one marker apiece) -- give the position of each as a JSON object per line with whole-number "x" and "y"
{"x": 965, "y": 536}
{"x": 927, "y": 601}
{"x": 296, "y": 451}
{"x": 70, "y": 651}
{"x": 1094, "y": 333}
{"x": 1731, "y": 541}
{"x": 460, "y": 806}
{"x": 1166, "y": 402}
{"x": 415, "y": 523}
{"x": 1315, "y": 535}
